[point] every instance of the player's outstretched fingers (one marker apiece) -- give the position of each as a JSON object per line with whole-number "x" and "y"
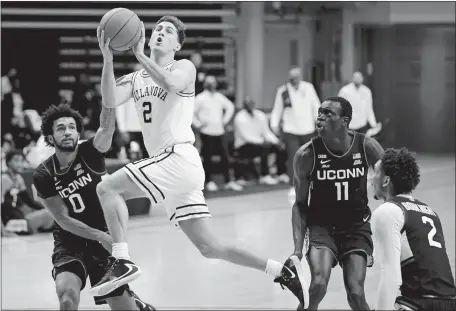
{"x": 107, "y": 43}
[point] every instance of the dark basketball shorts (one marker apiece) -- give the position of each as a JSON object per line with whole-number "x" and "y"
{"x": 87, "y": 260}
{"x": 340, "y": 243}
{"x": 425, "y": 303}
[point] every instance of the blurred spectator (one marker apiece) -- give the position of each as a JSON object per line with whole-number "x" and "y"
{"x": 6, "y": 84}
{"x": 37, "y": 153}
{"x": 213, "y": 111}
{"x": 22, "y": 125}
{"x": 82, "y": 95}
{"x": 130, "y": 128}
{"x": 20, "y": 212}
{"x": 6, "y": 233}
{"x": 360, "y": 97}
{"x": 197, "y": 59}
{"x": 7, "y": 106}
{"x": 296, "y": 107}
{"x": 253, "y": 138}
{"x": 7, "y": 146}
{"x": 92, "y": 112}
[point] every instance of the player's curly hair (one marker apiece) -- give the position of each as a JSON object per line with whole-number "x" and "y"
{"x": 56, "y": 112}
{"x": 346, "y": 111}
{"x": 181, "y": 30}
{"x": 401, "y": 166}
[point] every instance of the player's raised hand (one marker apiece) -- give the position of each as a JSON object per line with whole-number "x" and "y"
{"x": 104, "y": 44}
{"x": 139, "y": 47}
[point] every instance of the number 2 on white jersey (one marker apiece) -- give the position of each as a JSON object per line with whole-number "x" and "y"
{"x": 432, "y": 232}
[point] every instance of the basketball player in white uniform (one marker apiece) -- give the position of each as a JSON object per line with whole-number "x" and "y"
{"x": 164, "y": 93}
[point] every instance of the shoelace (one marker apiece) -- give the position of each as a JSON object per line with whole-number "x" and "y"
{"x": 110, "y": 267}
{"x": 283, "y": 279}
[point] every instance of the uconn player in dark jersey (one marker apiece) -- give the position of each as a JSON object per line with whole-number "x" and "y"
{"x": 330, "y": 180}
{"x": 66, "y": 183}
{"x": 417, "y": 264}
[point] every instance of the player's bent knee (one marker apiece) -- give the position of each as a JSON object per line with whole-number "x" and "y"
{"x": 103, "y": 187}
{"x": 68, "y": 296}
{"x": 319, "y": 284}
{"x": 355, "y": 295}
{"x": 211, "y": 250}
{"x": 200, "y": 234}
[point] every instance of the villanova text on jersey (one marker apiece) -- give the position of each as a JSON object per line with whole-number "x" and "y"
{"x": 150, "y": 90}
{"x": 338, "y": 191}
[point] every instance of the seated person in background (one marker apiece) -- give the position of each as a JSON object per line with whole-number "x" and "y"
{"x": 6, "y": 233}
{"x": 20, "y": 212}
{"x": 38, "y": 152}
{"x": 253, "y": 138}
{"x": 7, "y": 145}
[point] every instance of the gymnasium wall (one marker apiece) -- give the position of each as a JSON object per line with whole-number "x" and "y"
{"x": 286, "y": 43}
{"x": 414, "y": 83}
{"x": 387, "y": 14}
{"x": 411, "y": 49}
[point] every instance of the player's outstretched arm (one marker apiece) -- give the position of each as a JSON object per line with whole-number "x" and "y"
{"x": 114, "y": 93}
{"x": 302, "y": 166}
{"x": 103, "y": 138}
{"x": 373, "y": 149}
{"x": 59, "y": 212}
{"x": 178, "y": 79}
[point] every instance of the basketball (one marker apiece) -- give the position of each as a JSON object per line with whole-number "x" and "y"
{"x": 123, "y": 26}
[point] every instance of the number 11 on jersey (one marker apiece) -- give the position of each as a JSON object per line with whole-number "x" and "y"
{"x": 339, "y": 186}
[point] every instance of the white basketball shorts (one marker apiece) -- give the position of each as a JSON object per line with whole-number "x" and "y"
{"x": 174, "y": 177}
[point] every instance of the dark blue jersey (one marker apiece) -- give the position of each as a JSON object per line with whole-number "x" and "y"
{"x": 428, "y": 272}
{"x": 338, "y": 188}
{"x": 76, "y": 185}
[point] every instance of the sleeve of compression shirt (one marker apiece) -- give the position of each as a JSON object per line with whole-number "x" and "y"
{"x": 387, "y": 222}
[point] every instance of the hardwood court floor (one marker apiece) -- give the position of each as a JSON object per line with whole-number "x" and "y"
{"x": 176, "y": 276}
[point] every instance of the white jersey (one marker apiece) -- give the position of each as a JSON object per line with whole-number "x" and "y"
{"x": 165, "y": 117}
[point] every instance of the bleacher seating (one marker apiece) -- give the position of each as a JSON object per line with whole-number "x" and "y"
{"x": 76, "y": 27}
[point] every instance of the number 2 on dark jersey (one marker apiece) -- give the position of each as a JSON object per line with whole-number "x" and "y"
{"x": 432, "y": 233}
